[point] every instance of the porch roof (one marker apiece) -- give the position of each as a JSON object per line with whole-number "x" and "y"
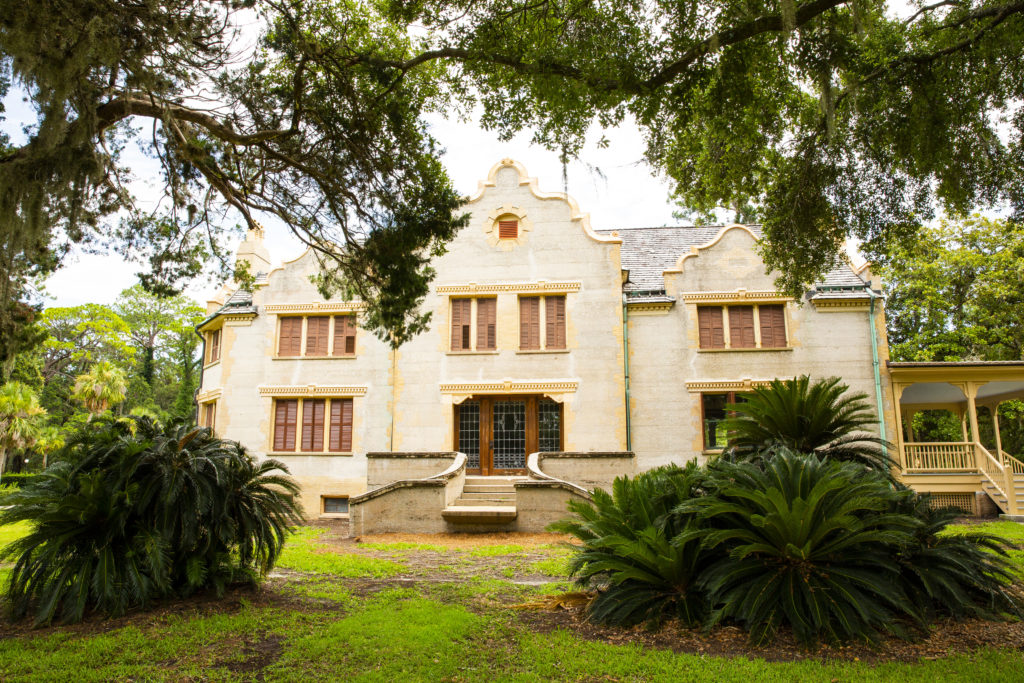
{"x": 949, "y": 382}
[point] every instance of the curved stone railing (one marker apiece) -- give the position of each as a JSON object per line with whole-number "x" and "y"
{"x": 408, "y": 505}
{"x": 585, "y": 470}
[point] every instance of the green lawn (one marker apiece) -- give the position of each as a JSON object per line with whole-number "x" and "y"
{"x": 344, "y": 611}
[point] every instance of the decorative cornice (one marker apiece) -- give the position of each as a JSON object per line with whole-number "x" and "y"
{"x": 328, "y": 390}
{"x": 650, "y": 306}
{"x": 238, "y": 319}
{"x": 841, "y": 305}
{"x": 739, "y": 295}
{"x": 539, "y": 287}
{"x": 209, "y": 395}
{"x": 316, "y": 307}
{"x": 509, "y": 386}
{"x": 726, "y": 385}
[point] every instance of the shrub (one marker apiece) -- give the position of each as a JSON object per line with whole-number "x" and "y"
{"x": 18, "y": 479}
{"x": 808, "y": 543}
{"x": 643, "y": 558}
{"x": 830, "y": 549}
{"x": 135, "y": 511}
{"x": 818, "y": 417}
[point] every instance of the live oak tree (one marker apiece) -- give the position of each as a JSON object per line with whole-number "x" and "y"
{"x": 823, "y": 119}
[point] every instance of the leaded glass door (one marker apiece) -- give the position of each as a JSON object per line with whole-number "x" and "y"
{"x": 497, "y": 433}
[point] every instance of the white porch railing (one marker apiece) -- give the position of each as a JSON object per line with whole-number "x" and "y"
{"x": 941, "y": 456}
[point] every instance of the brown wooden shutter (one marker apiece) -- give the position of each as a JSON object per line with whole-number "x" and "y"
{"x": 529, "y": 322}
{"x": 290, "y": 343}
{"x": 508, "y": 230}
{"x": 344, "y": 335}
{"x": 341, "y": 425}
{"x": 709, "y": 323}
{"x": 741, "y": 327}
{"x": 285, "y": 416}
{"x": 486, "y": 324}
{"x": 773, "y": 326}
{"x": 214, "y": 346}
{"x": 313, "y": 424}
{"x": 554, "y": 322}
{"x": 317, "y": 332}
{"x": 461, "y": 319}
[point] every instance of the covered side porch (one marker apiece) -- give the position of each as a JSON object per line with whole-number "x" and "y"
{"x": 964, "y": 463}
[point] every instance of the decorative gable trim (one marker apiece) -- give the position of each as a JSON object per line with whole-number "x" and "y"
{"x": 525, "y": 180}
{"x": 316, "y": 307}
{"x": 695, "y": 251}
{"x": 332, "y": 390}
{"x": 539, "y": 287}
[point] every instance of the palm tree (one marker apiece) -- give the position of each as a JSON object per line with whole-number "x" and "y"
{"x": 102, "y": 387}
{"x": 819, "y": 417}
{"x": 20, "y": 415}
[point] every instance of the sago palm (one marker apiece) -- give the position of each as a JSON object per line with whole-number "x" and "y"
{"x": 134, "y": 512}
{"x": 807, "y": 543}
{"x": 820, "y": 417}
{"x": 643, "y": 558}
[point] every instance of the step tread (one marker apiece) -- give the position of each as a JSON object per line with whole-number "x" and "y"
{"x": 485, "y": 502}
{"x": 480, "y": 513}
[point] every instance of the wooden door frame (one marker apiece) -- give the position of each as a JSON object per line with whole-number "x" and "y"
{"x": 487, "y": 430}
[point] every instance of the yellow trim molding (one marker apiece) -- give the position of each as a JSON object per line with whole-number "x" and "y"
{"x": 727, "y": 385}
{"x": 650, "y": 307}
{"x": 841, "y": 305}
{"x": 209, "y": 395}
{"x": 328, "y": 390}
{"x": 539, "y": 287}
{"x": 316, "y": 307}
{"x": 509, "y": 386}
{"x": 757, "y": 296}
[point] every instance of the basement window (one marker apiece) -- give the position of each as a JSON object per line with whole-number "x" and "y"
{"x": 335, "y": 505}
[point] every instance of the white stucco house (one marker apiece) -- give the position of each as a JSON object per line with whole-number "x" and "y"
{"x": 559, "y": 357}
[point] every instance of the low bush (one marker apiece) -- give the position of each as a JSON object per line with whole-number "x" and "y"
{"x": 644, "y": 557}
{"x": 830, "y": 549}
{"x": 135, "y": 511}
{"x": 18, "y": 479}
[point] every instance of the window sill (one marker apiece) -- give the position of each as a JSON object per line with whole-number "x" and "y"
{"x": 489, "y": 352}
{"x": 769, "y": 349}
{"x": 211, "y": 364}
{"x": 531, "y": 351}
{"x": 278, "y": 454}
{"x": 712, "y": 451}
{"x": 349, "y": 357}
{"x": 334, "y": 515}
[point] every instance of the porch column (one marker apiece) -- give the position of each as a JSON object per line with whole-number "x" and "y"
{"x": 897, "y": 395}
{"x": 972, "y": 410}
{"x": 995, "y": 426}
{"x": 963, "y": 423}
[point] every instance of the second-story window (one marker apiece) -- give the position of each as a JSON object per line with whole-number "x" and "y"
{"x": 481, "y": 314}
{"x": 212, "y": 346}
{"x": 317, "y": 336}
{"x": 742, "y": 326}
{"x": 530, "y": 327}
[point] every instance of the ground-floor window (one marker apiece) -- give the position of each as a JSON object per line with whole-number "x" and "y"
{"x": 713, "y": 414}
{"x": 315, "y": 424}
{"x": 497, "y": 432}
{"x": 208, "y": 415}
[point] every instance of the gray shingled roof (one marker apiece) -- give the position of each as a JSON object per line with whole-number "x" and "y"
{"x": 649, "y": 252}
{"x": 239, "y": 302}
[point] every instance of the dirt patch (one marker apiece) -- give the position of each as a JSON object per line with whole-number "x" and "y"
{"x": 947, "y": 638}
{"x": 259, "y": 655}
{"x": 468, "y": 541}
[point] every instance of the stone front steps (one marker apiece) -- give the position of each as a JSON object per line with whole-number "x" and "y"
{"x": 484, "y": 500}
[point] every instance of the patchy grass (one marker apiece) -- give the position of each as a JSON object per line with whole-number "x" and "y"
{"x": 303, "y": 552}
{"x": 344, "y": 617}
{"x": 1011, "y": 531}
{"x": 12, "y": 532}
